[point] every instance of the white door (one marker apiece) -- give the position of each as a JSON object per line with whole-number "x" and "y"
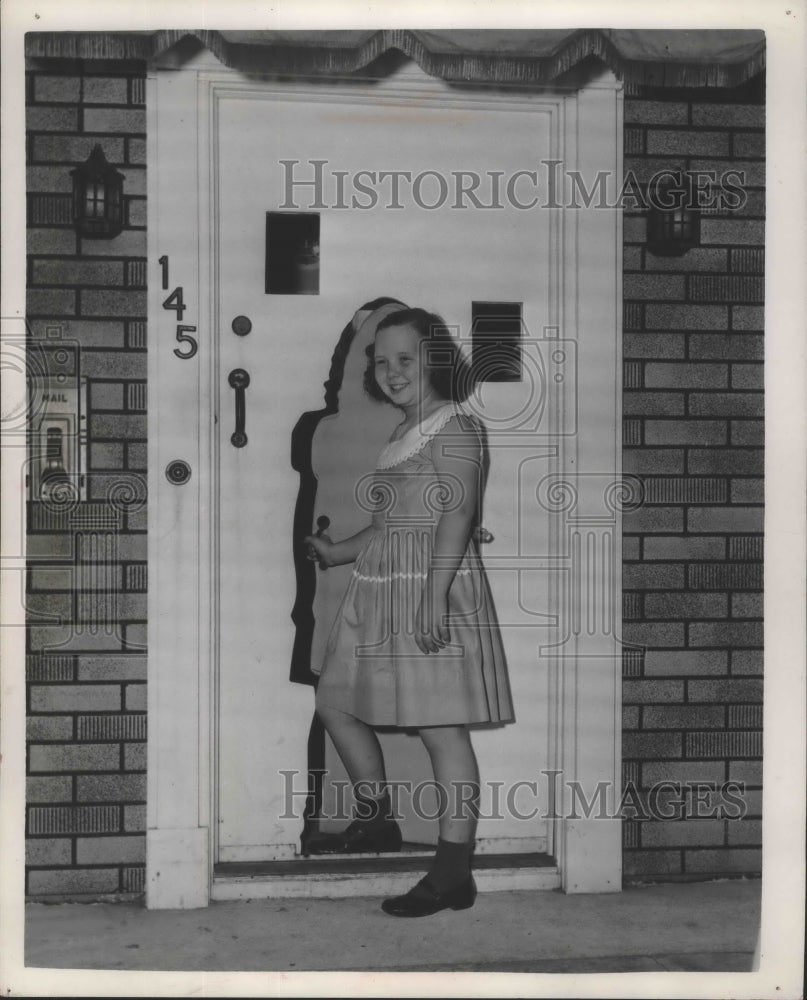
{"x": 443, "y": 258}
{"x": 223, "y": 718}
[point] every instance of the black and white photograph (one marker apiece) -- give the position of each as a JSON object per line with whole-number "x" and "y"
{"x": 403, "y": 500}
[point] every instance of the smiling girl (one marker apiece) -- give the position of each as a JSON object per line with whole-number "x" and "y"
{"x": 415, "y": 643}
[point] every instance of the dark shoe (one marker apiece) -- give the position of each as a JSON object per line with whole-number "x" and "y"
{"x": 360, "y": 838}
{"x": 424, "y": 899}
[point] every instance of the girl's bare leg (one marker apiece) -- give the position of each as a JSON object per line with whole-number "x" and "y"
{"x": 357, "y": 745}
{"x": 448, "y": 882}
{"x": 456, "y": 772}
{"x": 374, "y": 828}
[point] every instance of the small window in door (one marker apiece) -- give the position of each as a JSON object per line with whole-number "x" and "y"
{"x": 496, "y": 341}
{"x": 292, "y": 253}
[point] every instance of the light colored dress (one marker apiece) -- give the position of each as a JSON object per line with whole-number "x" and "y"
{"x": 373, "y": 668}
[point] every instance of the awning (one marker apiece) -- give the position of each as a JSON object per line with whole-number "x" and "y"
{"x": 641, "y": 57}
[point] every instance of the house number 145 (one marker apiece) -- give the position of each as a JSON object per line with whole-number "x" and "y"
{"x": 175, "y": 302}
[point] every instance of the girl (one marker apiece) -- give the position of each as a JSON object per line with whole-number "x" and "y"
{"x": 415, "y": 642}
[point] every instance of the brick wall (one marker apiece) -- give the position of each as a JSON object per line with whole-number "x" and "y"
{"x": 693, "y": 433}
{"x": 86, "y": 591}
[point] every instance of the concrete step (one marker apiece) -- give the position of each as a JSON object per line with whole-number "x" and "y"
{"x": 340, "y": 876}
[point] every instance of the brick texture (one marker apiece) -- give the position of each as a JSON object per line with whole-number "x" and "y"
{"x": 85, "y": 820}
{"x": 693, "y": 406}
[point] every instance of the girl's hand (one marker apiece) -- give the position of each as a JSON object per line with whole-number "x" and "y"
{"x": 320, "y": 549}
{"x": 431, "y": 634}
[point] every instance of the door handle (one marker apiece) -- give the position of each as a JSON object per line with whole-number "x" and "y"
{"x": 239, "y": 380}
{"x": 323, "y": 523}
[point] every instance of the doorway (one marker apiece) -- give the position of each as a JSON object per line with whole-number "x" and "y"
{"x": 278, "y": 163}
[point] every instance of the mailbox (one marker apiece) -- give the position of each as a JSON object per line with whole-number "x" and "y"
{"x": 58, "y": 438}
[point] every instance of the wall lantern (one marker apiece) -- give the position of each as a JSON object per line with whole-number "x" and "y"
{"x": 97, "y": 198}
{"x": 674, "y": 218}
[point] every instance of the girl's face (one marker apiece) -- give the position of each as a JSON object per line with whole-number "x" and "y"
{"x": 397, "y": 365}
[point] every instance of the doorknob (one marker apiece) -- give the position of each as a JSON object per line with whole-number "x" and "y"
{"x": 323, "y": 523}
{"x": 239, "y": 380}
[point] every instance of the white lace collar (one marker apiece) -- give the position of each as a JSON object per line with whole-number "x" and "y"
{"x": 416, "y": 438}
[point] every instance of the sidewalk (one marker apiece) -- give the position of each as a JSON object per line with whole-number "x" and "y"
{"x": 704, "y": 927}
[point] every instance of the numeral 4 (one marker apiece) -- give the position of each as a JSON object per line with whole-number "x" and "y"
{"x": 174, "y": 301}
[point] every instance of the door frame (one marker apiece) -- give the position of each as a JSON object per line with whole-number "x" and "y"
{"x": 584, "y": 507}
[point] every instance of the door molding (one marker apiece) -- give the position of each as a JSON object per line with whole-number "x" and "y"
{"x": 585, "y": 654}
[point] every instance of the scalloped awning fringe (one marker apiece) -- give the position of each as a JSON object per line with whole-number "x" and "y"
{"x": 710, "y": 58}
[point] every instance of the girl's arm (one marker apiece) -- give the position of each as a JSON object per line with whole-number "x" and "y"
{"x": 331, "y": 553}
{"x": 457, "y": 457}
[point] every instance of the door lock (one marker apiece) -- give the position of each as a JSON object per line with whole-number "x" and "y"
{"x": 178, "y": 472}
{"x": 241, "y": 326}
